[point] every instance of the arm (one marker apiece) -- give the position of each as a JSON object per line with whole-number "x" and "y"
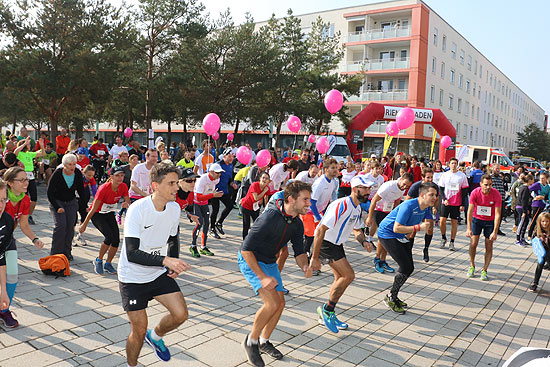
{"x": 400, "y": 228}
{"x": 54, "y": 182}
{"x": 258, "y": 197}
{"x": 373, "y": 202}
{"x": 41, "y": 152}
{"x": 136, "y": 189}
{"x": 498, "y": 214}
{"x": 313, "y": 208}
{"x": 135, "y": 255}
{"x": 94, "y": 190}
{"x": 470, "y": 218}
{"x": 317, "y": 241}
{"x": 360, "y": 237}
{"x": 26, "y": 229}
{"x": 20, "y": 148}
{"x": 4, "y": 299}
{"x": 95, "y": 207}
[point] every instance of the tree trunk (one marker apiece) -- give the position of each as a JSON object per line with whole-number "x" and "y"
{"x": 53, "y": 129}
{"x": 185, "y": 131}
{"x": 279, "y": 125}
{"x": 79, "y": 130}
{"x": 236, "y": 130}
{"x": 169, "y": 144}
{"x": 14, "y": 122}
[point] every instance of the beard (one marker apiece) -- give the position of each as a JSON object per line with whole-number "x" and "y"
{"x": 363, "y": 198}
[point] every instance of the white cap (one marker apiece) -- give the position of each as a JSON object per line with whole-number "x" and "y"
{"x": 373, "y": 155}
{"x": 215, "y": 167}
{"x": 361, "y": 180}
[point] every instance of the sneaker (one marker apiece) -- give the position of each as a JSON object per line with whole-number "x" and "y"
{"x": 98, "y": 266}
{"x": 316, "y": 272}
{"x": 451, "y": 246}
{"x": 328, "y": 319}
{"x": 285, "y": 291}
{"x": 515, "y": 229}
{"x": 8, "y": 320}
{"x": 253, "y": 353}
{"x": 426, "y": 256}
{"x": 215, "y": 234}
{"x": 160, "y": 349}
{"x": 118, "y": 219}
{"x": 443, "y": 243}
{"x": 31, "y": 221}
{"x": 194, "y": 251}
{"x": 526, "y": 243}
{"x": 81, "y": 239}
{"x": 219, "y": 228}
{"x": 375, "y": 260}
{"x": 471, "y": 272}
{"x": 386, "y": 267}
{"x": 484, "y": 275}
{"x": 206, "y": 251}
{"x": 270, "y": 350}
{"x": 402, "y": 303}
{"x": 378, "y": 266}
{"x": 520, "y": 243}
{"x": 394, "y": 306}
{"x": 532, "y": 288}
{"x": 340, "y": 324}
{"x": 500, "y": 233}
{"x": 70, "y": 257}
{"x": 240, "y": 215}
{"x": 108, "y": 267}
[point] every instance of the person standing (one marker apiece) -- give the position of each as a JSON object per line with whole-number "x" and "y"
{"x": 500, "y": 186}
{"x": 540, "y": 192}
{"x": 116, "y": 149}
{"x": 252, "y": 201}
{"x": 27, "y": 156}
{"x": 62, "y": 143}
{"x": 345, "y": 182}
{"x": 203, "y": 160}
{"x": 140, "y": 183}
{"x": 543, "y": 232}
{"x": 484, "y": 215}
{"x": 228, "y": 187}
{"x": 523, "y": 207}
{"x": 149, "y": 264}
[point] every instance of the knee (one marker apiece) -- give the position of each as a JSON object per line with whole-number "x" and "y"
{"x": 181, "y": 316}
{"x": 349, "y": 277}
{"x": 139, "y": 331}
{"x": 408, "y": 270}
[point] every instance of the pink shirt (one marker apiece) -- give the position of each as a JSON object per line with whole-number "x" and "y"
{"x": 484, "y": 205}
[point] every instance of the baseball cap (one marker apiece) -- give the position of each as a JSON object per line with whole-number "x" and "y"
{"x": 81, "y": 151}
{"x": 373, "y": 155}
{"x": 187, "y": 173}
{"x": 215, "y": 167}
{"x": 116, "y": 169}
{"x": 227, "y": 151}
{"x": 361, "y": 181}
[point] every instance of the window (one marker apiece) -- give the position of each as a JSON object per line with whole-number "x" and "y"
{"x": 474, "y": 90}
{"x": 473, "y": 110}
{"x": 401, "y": 84}
{"x": 452, "y": 76}
{"x": 471, "y": 132}
{"x": 480, "y": 70}
{"x": 453, "y": 50}
{"x": 465, "y": 130}
{"x": 469, "y": 62}
{"x": 477, "y": 133}
{"x": 477, "y": 113}
{"x": 461, "y": 58}
{"x": 466, "y": 108}
{"x": 441, "y": 97}
{"x": 387, "y": 55}
{"x": 444, "y": 43}
{"x": 442, "y": 70}
{"x": 432, "y": 94}
{"x": 403, "y": 55}
{"x": 434, "y": 65}
{"x": 459, "y": 105}
{"x": 385, "y": 85}
{"x": 460, "y": 80}
{"x": 436, "y": 32}
{"x": 451, "y": 101}
{"x": 467, "y": 86}
{"x": 475, "y": 67}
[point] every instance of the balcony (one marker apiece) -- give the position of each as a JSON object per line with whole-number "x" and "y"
{"x": 378, "y": 34}
{"x": 377, "y": 64}
{"x": 380, "y": 95}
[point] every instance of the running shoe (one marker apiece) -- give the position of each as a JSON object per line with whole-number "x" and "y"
{"x": 316, "y": 272}
{"x": 31, "y": 221}
{"x": 194, "y": 251}
{"x": 328, "y": 319}
{"x": 402, "y": 303}
{"x": 118, "y": 219}
{"x": 253, "y": 353}
{"x": 526, "y": 243}
{"x": 378, "y": 266}
{"x": 160, "y": 349}
{"x": 206, "y": 251}
{"x": 8, "y": 320}
{"x": 443, "y": 243}
{"x": 471, "y": 272}
{"x": 98, "y": 266}
{"x": 215, "y": 234}
{"x": 532, "y": 288}
{"x": 270, "y": 350}
{"x": 70, "y": 257}
{"x": 285, "y": 291}
{"x": 108, "y": 267}
{"x": 375, "y": 260}
{"x": 219, "y": 228}
{"x": 240, "y": 215}
{"x": 451, "y": 246}
{"x": 394, "y": 306}
{"x": 500, "y": 233}
{"x": 484, "y": 275}
{"x": 520, "y": 243}
{"x": 386, "y": 267}
{"x": 339, "y": 324}
{"x": 80, "y": 239}
{"x": 426, "y": 255}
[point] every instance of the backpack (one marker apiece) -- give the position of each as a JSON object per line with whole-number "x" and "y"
{"x": 57, "y": 265}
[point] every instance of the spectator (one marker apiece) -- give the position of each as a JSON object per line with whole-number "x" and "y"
{"x": 62, "y": 143}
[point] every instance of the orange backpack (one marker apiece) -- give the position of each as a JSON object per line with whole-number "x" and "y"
{"x": 57, "y": 265}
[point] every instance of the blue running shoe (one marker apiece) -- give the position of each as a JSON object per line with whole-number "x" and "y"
{"x": 108, "y": 267}
{"x": 375, "y": 260}
{"x": 329, "y": 319}
{"x": 160, "y": 350}
{"x": 386, "y": 267}
{"x": 378, "y": 266}
{"x": 98, "y": 266}
{"x": 340, "y": 324}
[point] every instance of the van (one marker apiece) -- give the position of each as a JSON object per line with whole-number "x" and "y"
{"x": 338, "y": 148}
{"x": 486, "y": 156}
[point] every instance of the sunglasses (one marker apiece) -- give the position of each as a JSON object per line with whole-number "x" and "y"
{"x": 190, "y": 180}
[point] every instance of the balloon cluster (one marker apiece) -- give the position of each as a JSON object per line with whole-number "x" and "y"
{"x": 403, "y": 120}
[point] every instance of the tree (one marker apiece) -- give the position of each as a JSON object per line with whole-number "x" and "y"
{"x": 534, "y": 142}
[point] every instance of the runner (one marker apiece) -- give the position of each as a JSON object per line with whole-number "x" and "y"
{"x": 393, "y": 231}
{"x": 47, "y": 163}
{"x": 252, "y": 201}
{"x": 500, "y": 185}
{"x": 203, "y": 160}
{"x": 116, "y": 149}
{"x": 543, "y": 231}
{"x": 540, "y": 192}
{"x": 140, "y": 183}
{"x": 6, "y": 238}
{"x": 387, "y": 197}
{"x": 102, "y": 215}
{"x": 205, "y": 189}
{"x": 310, "y": 175}
{"x": 149, "y": 264}
{"x": 185, "y": 196}
{"x": 523, "y": 207}
{"x": 228, "y": 187}
{"x": 26, "y": 156}
{"x": 342, "y": 217}
{"x": 454, "y": 185}
{"x": 257, "y": 261}
{"x": 281, "y": 172}
{"x": 483, "y": 214}
{"x": 345, "y": 183}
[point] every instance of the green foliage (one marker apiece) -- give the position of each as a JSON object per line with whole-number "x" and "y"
{"x": 534, "y": 142}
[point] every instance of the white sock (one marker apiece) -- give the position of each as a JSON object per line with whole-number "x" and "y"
{"x": 131, "y": 366}
{"x": 263, "y": 340}
{"x": 154, "y": 336}
{"x": 251, "y": 341}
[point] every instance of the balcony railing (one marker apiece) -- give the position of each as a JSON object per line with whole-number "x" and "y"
{"x": 380, "y": 95}
{"x": 377, "y": 64}
{"x": 378, "y": 34}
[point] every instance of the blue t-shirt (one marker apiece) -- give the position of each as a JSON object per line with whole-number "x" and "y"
{"x": 225, "y": 177}
{"x": 69, "y": 179}
{"x": 476, "y": 176}
{"x": 407, "y": 214}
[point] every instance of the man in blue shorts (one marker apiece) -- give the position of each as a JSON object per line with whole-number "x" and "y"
{"x": 257, "y": 259}
{"x": 394, "y": 234}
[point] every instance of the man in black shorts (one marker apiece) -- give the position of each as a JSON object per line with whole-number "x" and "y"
{"x": 149, "y": 263}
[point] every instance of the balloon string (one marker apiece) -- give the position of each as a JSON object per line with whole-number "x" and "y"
{"x": 396, "y": 150}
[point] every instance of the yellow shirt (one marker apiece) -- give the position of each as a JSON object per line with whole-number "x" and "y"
{"x": 241, "y": 174}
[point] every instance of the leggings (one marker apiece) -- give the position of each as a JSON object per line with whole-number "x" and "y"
{"x": 107, "y": 225}
{"x": 538, "y": 271}
{"x": 201, "y": 211}
{"x": 533, "y": 224}
{"x": 401, "y": 252}
{"x": 523, "y": 222}
{"x": 31, "y": 190}
{"x": 215, "y": 202}
{"x": 11, "y": 270}
{"x": 247, "y": 215}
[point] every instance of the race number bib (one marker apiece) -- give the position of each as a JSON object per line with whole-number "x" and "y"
{"x": 46, "y": 161}
{"x": 100, "y": 152}
{"x": 388, "y": 207}
{"x": 256, "y": 206}
{"x": 159, "y": 251}
{"x": 107, "y": 208}
{"x": 483, "y": 210}
{"x": 30, "y": 175}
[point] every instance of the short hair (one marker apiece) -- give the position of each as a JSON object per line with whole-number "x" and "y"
{"x": 50, "y": 145}
{"x": 329, "y": 161}
{"x": 88, "y": 168}
{"x": 544, "y": 173}
{"x": 425, "y": 186}
{"x": 476, "y": 164}
{"x": 376, "y": 164}
{"x": 134, "y": 156}
{"x": 528, "y": 177}
{"x": 68, "y": 158}
{"x": 312, "y": 165}
{"x": 160, "y": 170}
{"x": 453, "y": 159}
{"x": 294, "y": 189}
{"x": 10, "y": 158}
{"x": 408, "y": 176}
{"x": 149, "y": 151}
{"x": 427, "y": 170}
{"x": 100, "y": 140}
{"x": 486, "y": 177}
{"x": 292, "y": 164}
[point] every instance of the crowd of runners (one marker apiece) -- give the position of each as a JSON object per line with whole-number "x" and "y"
{"x": 302, "y": 197}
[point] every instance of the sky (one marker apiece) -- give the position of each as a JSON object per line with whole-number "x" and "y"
{"x": 512, "y": 34}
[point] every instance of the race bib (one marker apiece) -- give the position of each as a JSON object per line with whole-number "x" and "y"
{"x": 483, "y": 210}
{"x": 145, "y": 189}
{"x": 46, "y": 161}
{"x": 388, "y": 207}
{"x": 107, "y": 208}
{"x": 100, "y": 152}
{"x": 256, "y": 206}
{"x": 454, "y": 186}
{"x": 159, "y": 251}
{"x": 30, "y": 175}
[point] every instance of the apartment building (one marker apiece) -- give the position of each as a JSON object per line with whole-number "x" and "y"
{"x": 410, "y": 56}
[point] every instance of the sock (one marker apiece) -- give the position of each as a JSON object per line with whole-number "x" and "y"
{"x": 154, "y": 336}
{"x": 130, "y": 365}
{"x": 444, "y": 237}
{"x": 452, "y": 240}
{"x": 428, "y": 240}
{"x": 250, "y": 342}
{"x": 329, "y": 306}
{"x": 263, "y": 340}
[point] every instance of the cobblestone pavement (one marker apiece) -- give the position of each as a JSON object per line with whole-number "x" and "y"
{"x": 453, "y": 320}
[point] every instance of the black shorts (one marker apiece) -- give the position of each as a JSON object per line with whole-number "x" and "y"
{"x": 136, "y": 296}
{"x": 31, "y": 190}
{"x": 453, "y": 211}
{"x": 379, "y": 216}
{"x": 486, "y": 225}
{"x": 331, "y": 252}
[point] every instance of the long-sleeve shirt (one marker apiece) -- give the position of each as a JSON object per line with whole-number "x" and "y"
{"x": 58, "y": 189}
{"x": 524, "y": 197}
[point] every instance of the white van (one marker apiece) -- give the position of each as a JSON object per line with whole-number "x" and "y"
{"x": 338, "y": 148}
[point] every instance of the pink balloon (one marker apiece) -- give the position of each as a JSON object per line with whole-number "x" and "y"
{"x": 211, "y": 123}
{"x": 128, "y": 132}
{"x": 334, "y": 101}
{"x": 216, "y": 135}
{"x": 311, "y": 139}
{"x": 322, "y": 145}
{"x": 230, "y": 137}
{"x": 405, "y": 118}
{"x": 294, "y": 124}
{"x": 446, "y": 141}
{"x": 244, "y": 155}
{"x": 392, "y": 129}
{"x": 263, "y": 158}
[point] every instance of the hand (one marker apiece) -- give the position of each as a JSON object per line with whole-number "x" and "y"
{"x": 194, "y": 218}
{"x": 4, "y": 300}
{"x": 461, "y": 208}
{"x": 175, "y": 265}
{"x": 308, "y": 271}
{"x": 82, "y": 228}
{"x": 38, "y": 244}
{"x": 493, "y": 236}
{"x": 234, "y": 185}
{"x": 469, "y": 233}
{"x": 60, "y": 211}
{"x": 125, "y": 205}
{"x": 269, "y": 283}
{"x": 446, "y": 202}
{"x": 218, "y": 194}
{"x": 315, "y": 264}
{"x": 367, "y": 245}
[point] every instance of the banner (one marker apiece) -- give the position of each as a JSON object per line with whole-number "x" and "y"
{"x": 462, "y": 152}
{"x": 387, "y": 143}
{"x": 433, "y": 145}
{"x": 390, "y": 113}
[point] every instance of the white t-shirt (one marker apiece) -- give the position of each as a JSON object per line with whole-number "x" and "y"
{"x": 453, "y": 183}
{"x": 341, "y": 217}
{"x": 378, "y": 182}
{"x": 304, "y": 177}
{"x": 115, "y": 151}
{"x": 278, "y": 175}
{"x": 140, "y": 175}
{"x": 205, "y": 186}
{"x": 153, "y": 228}
{"x": 389, "y": 192}
{"x": 347, "y": 176}
{"x": 323, "y": 191}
